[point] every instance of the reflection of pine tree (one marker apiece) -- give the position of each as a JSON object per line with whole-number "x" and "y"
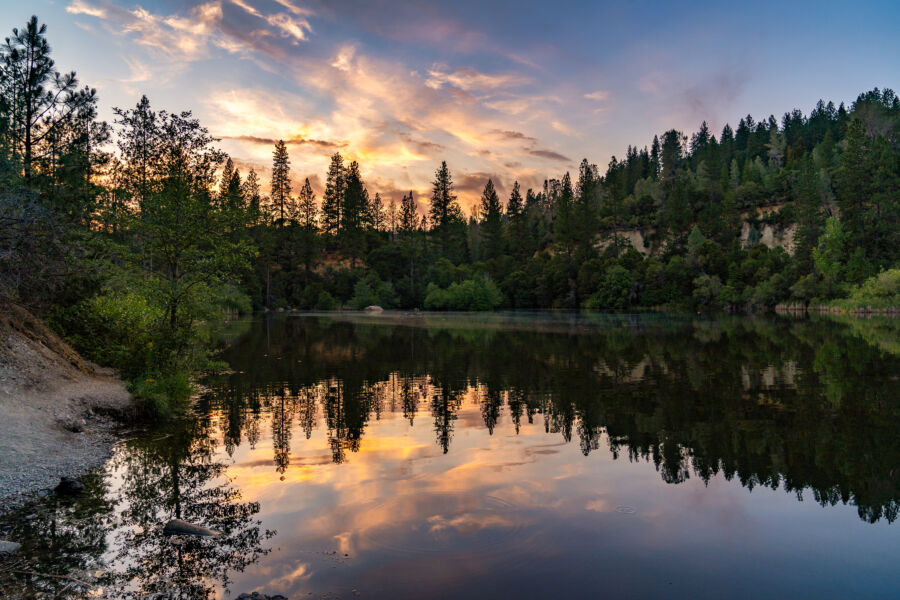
{"x": 444, "y": 406}
{"x": 694, "y": 402}
{"x": 307, "y": 409}
{"x": 281, "y": 432}
{"x": 175, "y": 476}
{"x": 490, "y": 401}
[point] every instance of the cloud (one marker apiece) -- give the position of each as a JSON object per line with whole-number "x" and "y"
{"x": 290, "y": 141}
{"x": 82, "y": 8}
{"x": 289, "y": 26}
{"x": 513, "y": 135}
{"x": 561, "y": 127}
{"x": 191, "y": 36}
{"x": 599, "y": 95}
{"x": 549, "y": 155}
{"x": 469, "y": 79}
{"x": 475, "y": 182}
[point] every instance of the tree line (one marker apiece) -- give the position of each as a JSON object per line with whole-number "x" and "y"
{"x": 825, "y": 185}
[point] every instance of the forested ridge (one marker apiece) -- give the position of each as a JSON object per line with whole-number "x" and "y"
{"x": 127, "y": 236}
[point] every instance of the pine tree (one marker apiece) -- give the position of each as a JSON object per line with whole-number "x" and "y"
{"x": 252, "y": 196}
{"x": 392, "y": 218}
{"x": 810, "y": 219}
{"x": 655, "y": 158}
{"x": 492, "y": 223}
{"x": 307, "y": 214}
{"x": 354, "y": 211}
{"x": 516, "y": 219}
{"x": 139, "y": 150}
{"x": 854, "y": 186}
{"x": 281, "y": 181}
{"x": 564, "y": 226}
{"x": 409, "y": 218}
{"x": 409, "y": 223}
{"x": 445, "y": 212}
{"x": 587, "y": 203}
{"x": 376, "y": 218}
{"x": 333, "y": 199}
{"x": 307, "y": 210}
{"x": 47, "y": 115}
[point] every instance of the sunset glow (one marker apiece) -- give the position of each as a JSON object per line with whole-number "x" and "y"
{"x": 508, "y": 90}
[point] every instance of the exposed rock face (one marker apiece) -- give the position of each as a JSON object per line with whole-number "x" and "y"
{"x": 374, "y": 309}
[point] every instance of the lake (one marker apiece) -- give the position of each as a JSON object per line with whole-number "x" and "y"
{"x": 504, "y": 456}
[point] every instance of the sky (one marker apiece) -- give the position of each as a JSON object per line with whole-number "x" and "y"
{"x": 508, "y": 90}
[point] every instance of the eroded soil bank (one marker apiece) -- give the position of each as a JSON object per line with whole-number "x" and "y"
{"x": 57, "y": 411}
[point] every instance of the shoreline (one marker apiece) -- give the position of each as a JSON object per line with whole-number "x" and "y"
{"x": 60, "y": 414}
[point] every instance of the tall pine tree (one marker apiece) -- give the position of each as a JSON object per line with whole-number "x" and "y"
{"x": 281, "y": 181}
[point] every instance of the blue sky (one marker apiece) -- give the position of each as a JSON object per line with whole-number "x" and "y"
{"x": 508, "y": 90}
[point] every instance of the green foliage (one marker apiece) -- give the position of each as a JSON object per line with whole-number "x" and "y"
{"x": 616, "y": 290}
{"x": 476, "y": 294}
{"x": 161, "y": 397}
{"x": 880, "y": 291}
{"x": 370, "y": 290}
{"x": 325, "y": 301}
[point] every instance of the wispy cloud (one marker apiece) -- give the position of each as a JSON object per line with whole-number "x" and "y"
{"x": 77, "y": 7}
{"x": 549, "y": 155}
{"x": 290, "y": 141}
{"x": 470, "y": 79}
{"x": 599, "y": 95}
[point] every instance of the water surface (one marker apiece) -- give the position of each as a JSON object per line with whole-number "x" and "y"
{"x": 447, "y": 456}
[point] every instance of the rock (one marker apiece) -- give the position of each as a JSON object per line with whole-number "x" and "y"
{"x": 258, "y": 596}
{"x": 179, "y": 527}
{"x": 68, "y": 487}
{"x": 374, "y": 309}
{"x": 8, "y": 547}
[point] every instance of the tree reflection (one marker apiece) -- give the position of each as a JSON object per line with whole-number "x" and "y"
{"x": 806, "y": 405}
{"x": 174, "y": 476}
{"x": 63, "y": 540}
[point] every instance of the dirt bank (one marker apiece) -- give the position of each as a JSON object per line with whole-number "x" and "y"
{"x": 56, "y": 409}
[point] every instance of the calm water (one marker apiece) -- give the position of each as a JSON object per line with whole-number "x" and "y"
{"x": 505, "y": 456}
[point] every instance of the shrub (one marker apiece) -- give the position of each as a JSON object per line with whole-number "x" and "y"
{"x": 880, "y": 291}
{"x": 616, "y": 290}
{"x": 160, "y": 397}
{"x": 370, "y": 290}
{"x": 476, "y": 294}
{"x": 325, "y": 301}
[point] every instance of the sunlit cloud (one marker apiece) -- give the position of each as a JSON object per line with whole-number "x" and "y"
{"x": 77, "y": 7}
{"x": 600, "y": 95}
{"x": 290, "y": 27}
{"x": 469, "y": 79}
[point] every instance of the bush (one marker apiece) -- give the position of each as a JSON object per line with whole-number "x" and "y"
{"x": 325, "y": 301}
{"x": 472, "y": 294}
{"x": 370, "y": 290}
{"x": 881, "y": 291}
{"x": 707, "y": 291}
{"x": 114, "y": 330}
{"x": 160, "y": 397}
{"x": 616, "y": 290}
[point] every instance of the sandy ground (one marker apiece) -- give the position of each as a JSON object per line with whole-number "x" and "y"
{"x": 55, "y": 410}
